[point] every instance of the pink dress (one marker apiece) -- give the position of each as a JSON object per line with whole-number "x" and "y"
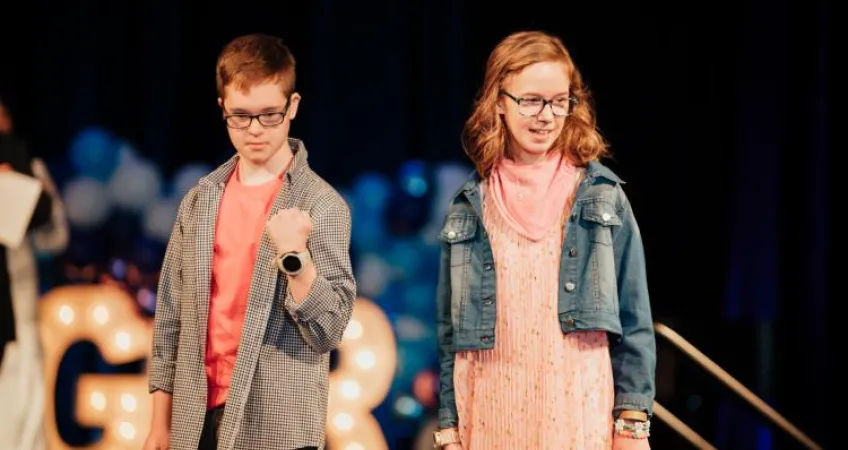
{"x": 537, "y": 388}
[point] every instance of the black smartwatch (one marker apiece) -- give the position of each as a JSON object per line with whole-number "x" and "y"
{"x": 293, "y": 263}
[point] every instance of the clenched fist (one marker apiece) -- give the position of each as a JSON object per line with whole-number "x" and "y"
{"x": 289, "y": 229}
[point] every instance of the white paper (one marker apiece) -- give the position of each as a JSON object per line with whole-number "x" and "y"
{"x": 18, "y": 196}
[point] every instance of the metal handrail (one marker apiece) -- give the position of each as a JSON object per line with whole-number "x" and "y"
{"x": 735, "y": 385}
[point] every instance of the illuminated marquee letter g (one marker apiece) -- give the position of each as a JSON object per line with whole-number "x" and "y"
{"x": 120, "y": 404}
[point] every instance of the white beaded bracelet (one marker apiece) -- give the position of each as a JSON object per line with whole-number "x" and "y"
{"x": 638, "y": 430}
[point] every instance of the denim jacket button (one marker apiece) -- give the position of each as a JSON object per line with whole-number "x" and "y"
{"x": 488, "y": 267}
{"x": 569, "y": 322}
{"x": 452, "y": 235}
{"x": 605, "y": 217}
{"x": 572, "y": 252}
{"x": 485, "y": 339}
{"x": 569, "y": 286}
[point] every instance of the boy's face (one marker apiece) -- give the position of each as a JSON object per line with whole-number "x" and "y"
{"x": 260, "y": 137}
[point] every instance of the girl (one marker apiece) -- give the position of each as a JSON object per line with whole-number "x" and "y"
{"x": 545, "y": 331}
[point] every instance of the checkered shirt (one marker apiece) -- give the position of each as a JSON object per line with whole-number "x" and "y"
{"x": 278, "y": 394}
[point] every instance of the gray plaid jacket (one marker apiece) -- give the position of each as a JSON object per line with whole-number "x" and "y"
{"x": 278, "y": 394}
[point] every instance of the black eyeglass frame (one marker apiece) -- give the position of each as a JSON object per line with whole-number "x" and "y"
{"x": 572, "y": 101}
{"x": 278, "y": 117}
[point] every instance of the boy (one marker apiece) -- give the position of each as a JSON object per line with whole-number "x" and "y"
{"x": 256, "y": 287}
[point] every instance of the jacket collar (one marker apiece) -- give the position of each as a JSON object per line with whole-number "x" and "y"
{"x": 223, "y": 172}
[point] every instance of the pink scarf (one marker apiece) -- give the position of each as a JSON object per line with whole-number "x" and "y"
{"x": 531, "y": 198}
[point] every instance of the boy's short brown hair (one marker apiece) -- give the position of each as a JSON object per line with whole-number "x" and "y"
{"x": 253, "y": 59}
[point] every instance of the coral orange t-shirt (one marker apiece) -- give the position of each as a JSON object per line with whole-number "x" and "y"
{"x": 241, "y": 220}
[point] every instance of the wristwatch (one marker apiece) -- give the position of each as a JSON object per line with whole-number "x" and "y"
{"x": 442, "y": 438}
{"x": 293, "y": 263}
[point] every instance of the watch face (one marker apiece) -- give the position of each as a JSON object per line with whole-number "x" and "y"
{"x": 292, "y": 263}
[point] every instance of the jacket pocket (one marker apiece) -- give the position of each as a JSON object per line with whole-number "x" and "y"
{"x": 458, "y": 232}
{"x": 601, "y": 216}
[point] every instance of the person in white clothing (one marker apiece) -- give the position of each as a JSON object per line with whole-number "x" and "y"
{"x": 22, "y": 387}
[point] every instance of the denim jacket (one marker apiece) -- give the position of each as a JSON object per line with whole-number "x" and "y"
{"x": 602, "y": 286}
